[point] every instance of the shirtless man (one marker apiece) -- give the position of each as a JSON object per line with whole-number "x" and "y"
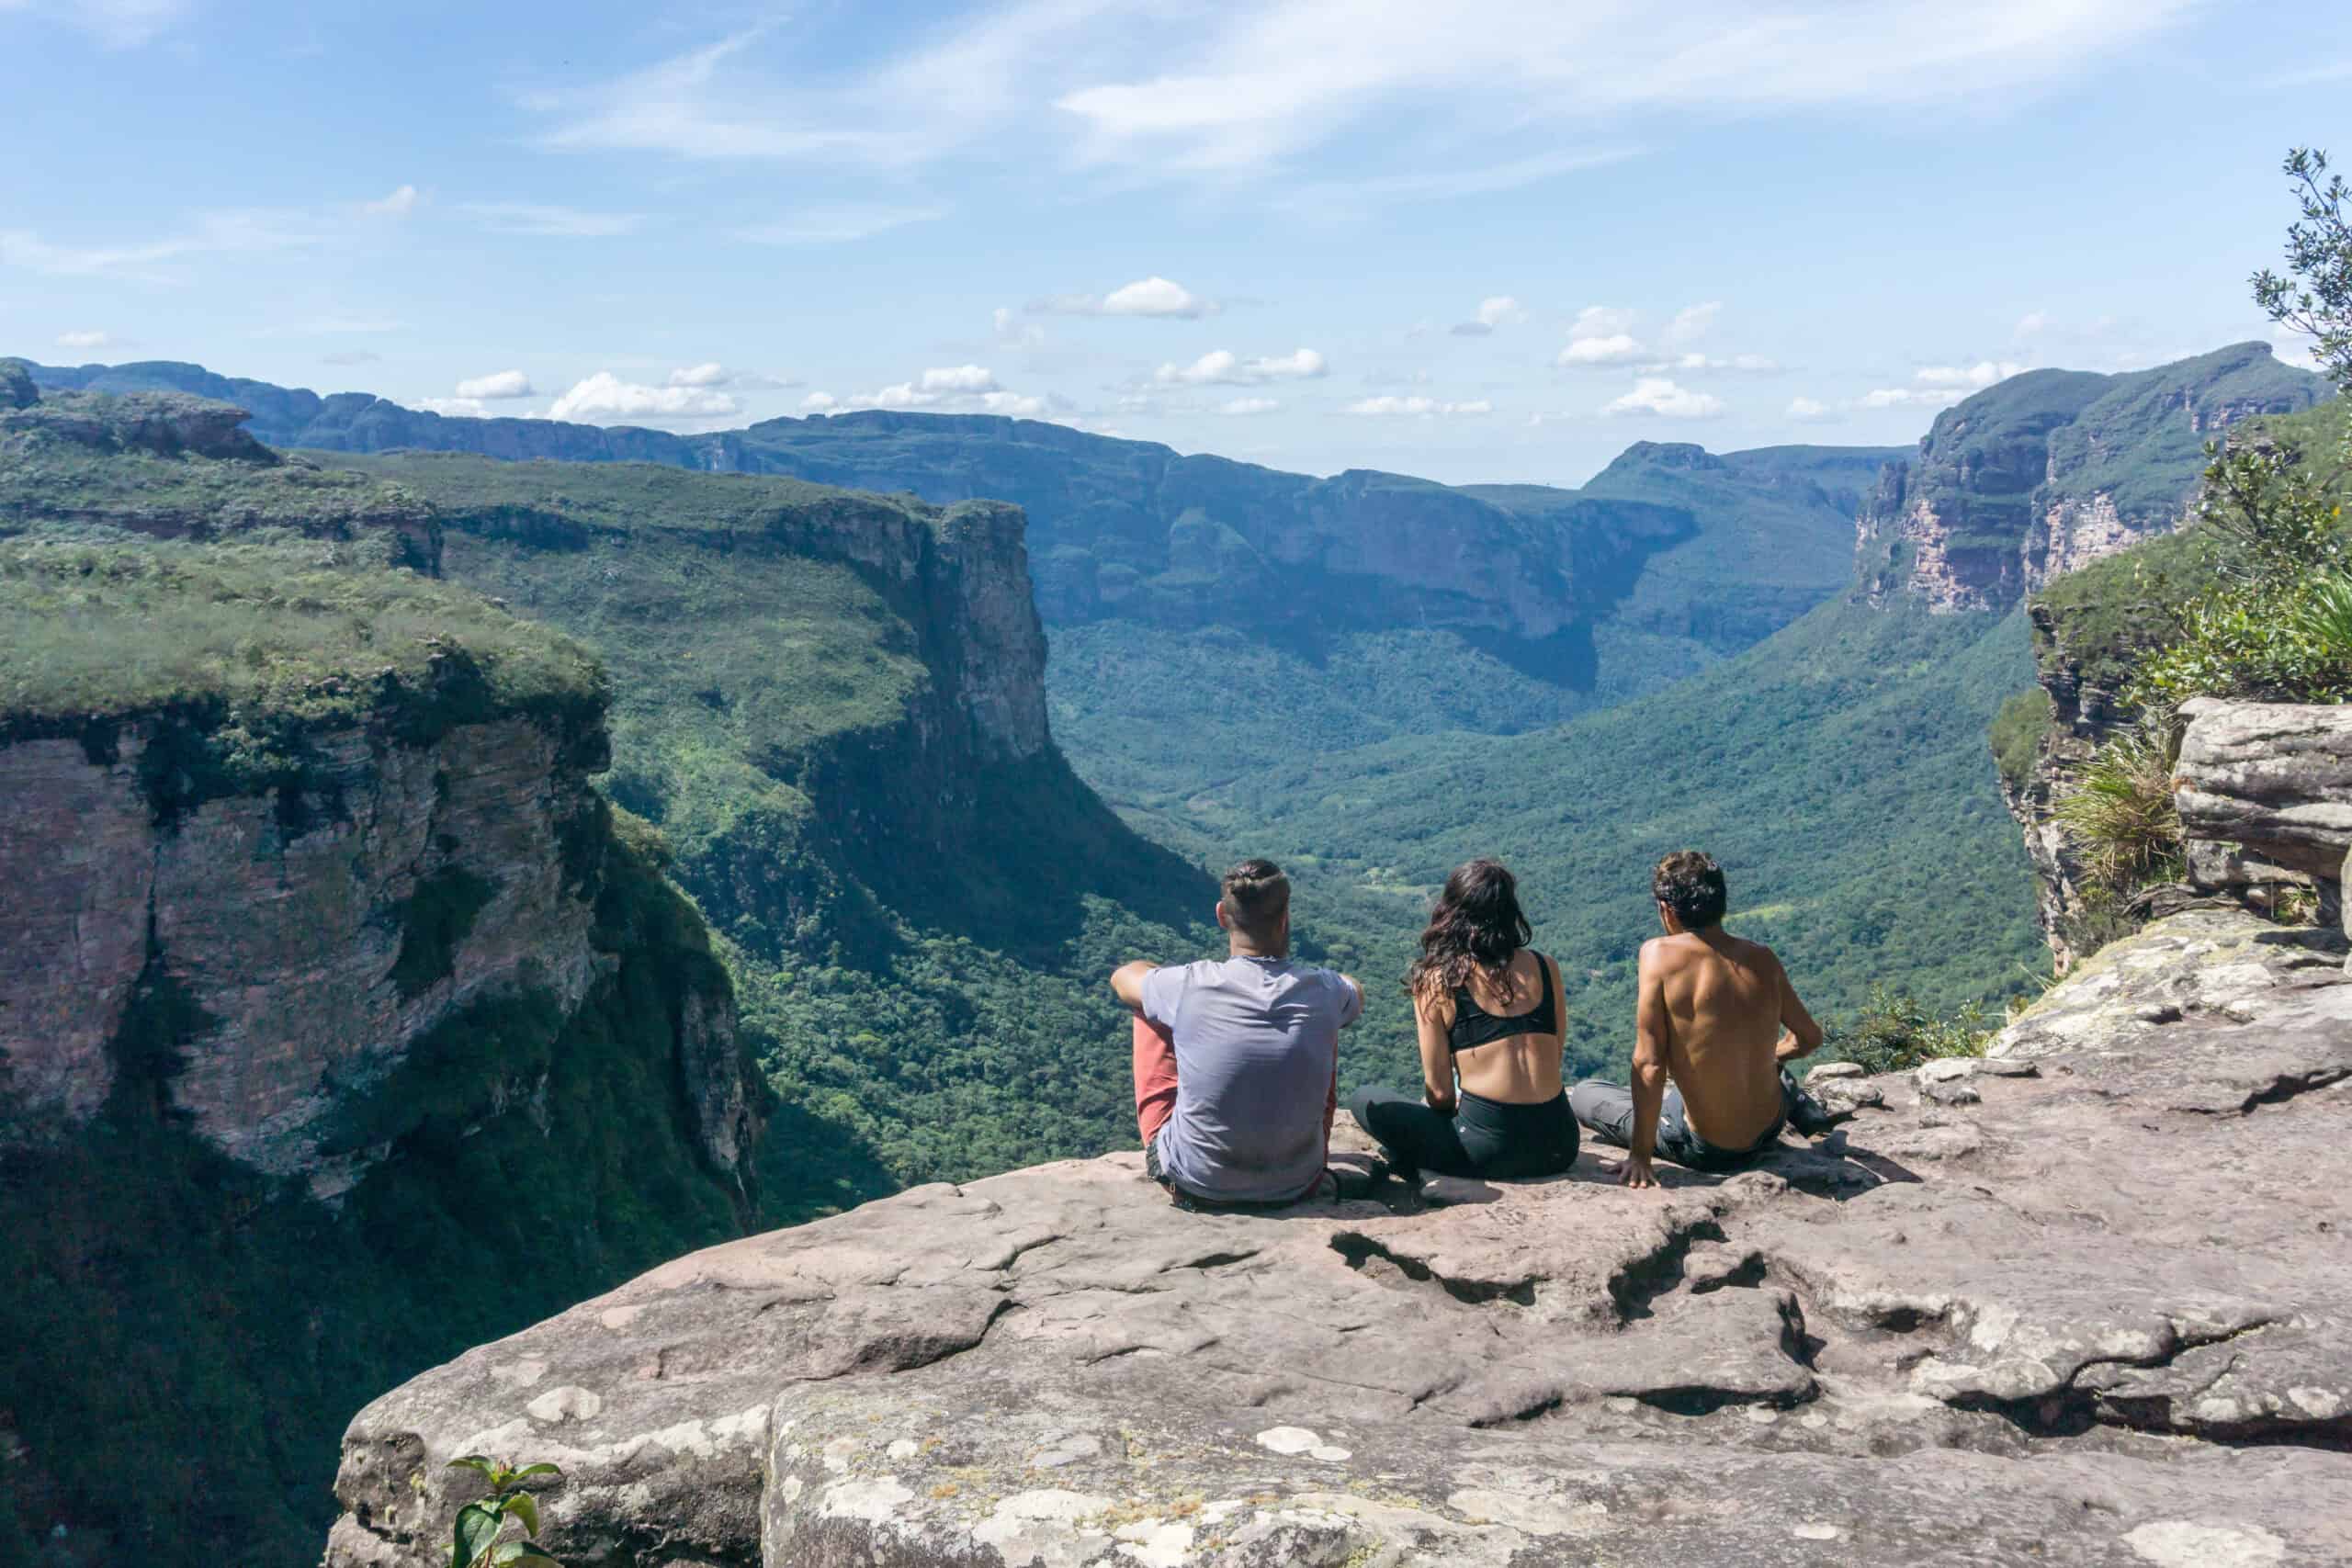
{"x": 1718, "y": 1017}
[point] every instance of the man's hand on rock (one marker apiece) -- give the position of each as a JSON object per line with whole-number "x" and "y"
{"x": 1636, "y": 1171}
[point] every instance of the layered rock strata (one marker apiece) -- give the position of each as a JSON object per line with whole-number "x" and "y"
{"x": 2089, "y": 1310}
{"x": 2265, "y": 792}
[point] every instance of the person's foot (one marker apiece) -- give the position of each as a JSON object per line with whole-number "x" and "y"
{"x": 1810, "y": 1117}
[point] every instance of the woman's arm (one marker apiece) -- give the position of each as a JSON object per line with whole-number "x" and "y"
{"x": 1434, "y": 1017}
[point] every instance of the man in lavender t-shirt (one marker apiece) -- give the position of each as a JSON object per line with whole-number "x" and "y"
{"x": 1237, "y": 1060}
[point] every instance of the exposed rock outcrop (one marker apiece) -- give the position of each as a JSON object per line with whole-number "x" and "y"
{"x": 320, "y": 929}
{"x": 2265, "y": 792}
{"x": 2047, "y": 471}
{"x": 2091, "y": 1309}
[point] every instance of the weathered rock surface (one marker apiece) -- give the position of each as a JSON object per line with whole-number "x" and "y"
{"x": 2265, "y": 792}
{"x": 317, "y": 932}
{"x": 284, "y": 919}
{"x": 2097, "y": 1316}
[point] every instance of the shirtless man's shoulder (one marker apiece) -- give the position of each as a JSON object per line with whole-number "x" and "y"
{"x": 1686, "y": 947}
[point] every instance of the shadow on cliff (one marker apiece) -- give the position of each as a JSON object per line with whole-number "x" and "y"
{"x": 1041, "y": 845}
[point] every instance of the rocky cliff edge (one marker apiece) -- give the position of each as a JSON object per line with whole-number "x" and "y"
{"x": 2083, "y": 1301}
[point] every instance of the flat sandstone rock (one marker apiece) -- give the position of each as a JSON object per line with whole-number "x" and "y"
{"x": 2102, "y": 1315}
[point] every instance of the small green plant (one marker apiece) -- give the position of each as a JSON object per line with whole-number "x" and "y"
{"x": 2120, "y": 816}
{"x": 1894, "y": 1032}
{"x": 483, "y": 1522}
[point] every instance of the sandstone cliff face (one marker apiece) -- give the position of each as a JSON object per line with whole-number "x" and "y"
{"x": 2079, "y": 1301}
{"x": 2086, "y": 710}
{"x": 318, "y": 931}
{"x": 2049, "y": 471}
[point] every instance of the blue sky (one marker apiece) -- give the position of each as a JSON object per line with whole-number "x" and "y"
{"x": 1485, "y": 240}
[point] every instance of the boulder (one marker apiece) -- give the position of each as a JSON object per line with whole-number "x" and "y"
{"x": 2265, "y": 791}
{"x": 2099, "y": 1315}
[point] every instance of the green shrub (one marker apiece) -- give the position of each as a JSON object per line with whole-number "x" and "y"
{"x": 1894, "y": 1032}
{"x": 2120, "y": 816}
{"x": 2017, "y": 734}
{"x": 475, "y": 1538}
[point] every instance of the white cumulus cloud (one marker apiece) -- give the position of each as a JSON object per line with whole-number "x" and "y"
{"x": 501, "y": 384}
{"x": 1615, "y": 348}
{"x": 820, "y": 402}
{"x": 85, "y": 340}
{"x": 605, "y": 397}
{"x": 1659, "y": 395}
{"x": 1153, "y": 296}
{"x": 1415, "y": 406}
{"x": 1222, "y": 366}
{"x": 451, "y": 408}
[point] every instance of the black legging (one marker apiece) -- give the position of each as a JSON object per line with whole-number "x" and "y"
{"x": 1484, "y": 1137}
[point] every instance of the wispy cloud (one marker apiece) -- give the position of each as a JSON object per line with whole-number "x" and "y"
{"x": 151, "y": 261}
{"x": 85, "y": 340}
{"x": 1495, "y": 310}
{"x": 1219, "y": 93}
{"x": 397, "y": 203}
{"x": 1419, "y": 408}
{"x": 115, "y": 24}
{"x": 837, "y": 225}
{"x": 538, "y": 220}
{"x": 692, "y": 107}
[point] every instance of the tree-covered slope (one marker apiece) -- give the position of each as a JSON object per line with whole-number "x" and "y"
{"x": 1838, "y": 769}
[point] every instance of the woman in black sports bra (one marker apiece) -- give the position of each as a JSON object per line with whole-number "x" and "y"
{"x": 1489, "y": 1009}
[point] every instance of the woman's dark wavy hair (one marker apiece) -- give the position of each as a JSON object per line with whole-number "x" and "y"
{"x": 1476, "y": 924}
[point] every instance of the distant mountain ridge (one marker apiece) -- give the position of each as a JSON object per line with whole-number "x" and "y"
{"x": 2053, "y": 469}
{"x": 1134, "y": 531}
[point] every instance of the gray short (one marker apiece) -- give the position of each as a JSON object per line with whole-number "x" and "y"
{"x": 1607, "y": 1110}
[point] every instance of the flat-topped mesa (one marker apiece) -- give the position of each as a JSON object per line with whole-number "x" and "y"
{"x": 173, "y": 466}
{"x": 2049, "y": 470}
{"x": 271, "y": 864}
{"x": 1929, "y": 1339}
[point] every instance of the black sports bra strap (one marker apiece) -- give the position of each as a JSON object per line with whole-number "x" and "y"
{"x": 1474, "y": 1026}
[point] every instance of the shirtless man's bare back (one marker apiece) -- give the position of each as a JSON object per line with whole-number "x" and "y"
{"x": 1715, "y": 1019}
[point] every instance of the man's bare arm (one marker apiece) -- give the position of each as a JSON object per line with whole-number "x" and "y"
{"x": 1801, "y": 1036}
{"x": 1651, "y": 1027}
{"x": 1126, "y": 983}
